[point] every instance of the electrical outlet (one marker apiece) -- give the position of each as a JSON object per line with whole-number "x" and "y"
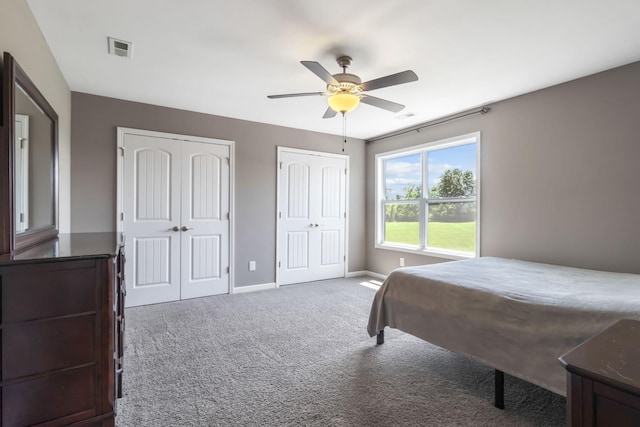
{"x": 252, "y": 266}
{"x": 401, "y": 262}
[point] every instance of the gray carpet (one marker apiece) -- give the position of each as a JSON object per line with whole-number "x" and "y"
{"x": 300, "y": 356}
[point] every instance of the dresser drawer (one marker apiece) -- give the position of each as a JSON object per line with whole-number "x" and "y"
{"x": 66, "y": 397}
{"x": 48, "y": 345}
{"x": 39, "y": 291}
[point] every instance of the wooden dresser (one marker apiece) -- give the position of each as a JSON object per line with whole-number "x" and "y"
{"x": 62, "y": 314}
{"x": 603, "y": 378}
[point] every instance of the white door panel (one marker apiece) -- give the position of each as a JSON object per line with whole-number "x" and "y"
{"x": 297, "y": 250}
{"x": 150, "y": 189}
{"x": 176, "y": 204}
{"x": 297, "y": 188}
{"x": 311, "y": 228}
{"x": 330, "y": 247}
{"x": 205, "y": 207}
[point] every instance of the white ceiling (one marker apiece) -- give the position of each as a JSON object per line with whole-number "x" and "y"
{"x": 225, "y": 57}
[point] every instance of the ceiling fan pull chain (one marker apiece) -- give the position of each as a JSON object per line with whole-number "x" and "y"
{"x": 344, "y": 130}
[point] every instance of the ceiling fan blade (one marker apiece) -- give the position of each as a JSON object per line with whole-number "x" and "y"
{"x": 320, "y": 71}
{"x": 329, "y": 114}
{"x": 291, "y": 95}
{"x": 381, "y": 103}
{"x": 391, "y": 80}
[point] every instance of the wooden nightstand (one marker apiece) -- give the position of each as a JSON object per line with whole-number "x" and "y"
{"x": 603, "y": 378}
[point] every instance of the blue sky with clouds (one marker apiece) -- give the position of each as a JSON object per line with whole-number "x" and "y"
{"x": 400, "y": 172}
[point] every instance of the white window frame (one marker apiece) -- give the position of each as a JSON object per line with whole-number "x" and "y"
{"x": 381, "y": 202}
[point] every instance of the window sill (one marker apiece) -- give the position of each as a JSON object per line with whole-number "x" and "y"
{"x": 453, "y": 255}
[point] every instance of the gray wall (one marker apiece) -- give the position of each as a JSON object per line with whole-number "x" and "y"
{"x": 560, "y": 175}
{"x": 21, "y": 37}
{"x": 93, "y": 173}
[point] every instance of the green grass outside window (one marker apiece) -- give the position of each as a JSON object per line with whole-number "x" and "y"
{"x": 458, "y": 236}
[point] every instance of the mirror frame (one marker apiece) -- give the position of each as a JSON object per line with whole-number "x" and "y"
{"x": 10, "y": 242}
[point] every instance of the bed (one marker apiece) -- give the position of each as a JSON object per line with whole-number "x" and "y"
{"x": 515, "y": 316}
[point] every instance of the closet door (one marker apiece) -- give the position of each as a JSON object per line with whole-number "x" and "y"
{"x": 205, "y": 220}
{"x": 151, "y": 201}
{"x": 311, "y": 216}
{"x": 176, "y": 218}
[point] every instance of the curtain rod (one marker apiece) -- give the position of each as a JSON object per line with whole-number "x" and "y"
{"x": 483, "y": 110}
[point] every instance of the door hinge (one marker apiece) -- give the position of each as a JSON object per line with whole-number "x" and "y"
{"x": 121, "y": 216}
{"x": 21, "y": 217}
{"x": 345, "y": 171}
{"x": 280, "y": 215}
{"x": 279, "y": 264}
{"x": 228, "y": 215}
{"x": 280, "y": 165}
{"x": 228, "y": 161}
{"x": 345, "y": 214}
{"x": 228, "y": 270}
{"x": 22, "y": 140}
{"x": 121, "y": 151}
{"x": 344, "y": 257}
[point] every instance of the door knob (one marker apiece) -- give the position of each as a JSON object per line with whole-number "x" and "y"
{"x": 175, "y": 228}
{"x": 185, "y": 228}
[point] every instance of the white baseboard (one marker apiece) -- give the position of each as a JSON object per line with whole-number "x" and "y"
{"x": 253, "y": 288}
{"x": 366, "y": 273}
{"x": 265, "y": 286}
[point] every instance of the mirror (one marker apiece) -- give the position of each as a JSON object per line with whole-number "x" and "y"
{"x": 30, "y": 143}
{"x": 32, "y": 170}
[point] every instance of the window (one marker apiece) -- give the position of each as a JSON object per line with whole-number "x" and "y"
{"x": 427, "y": 198}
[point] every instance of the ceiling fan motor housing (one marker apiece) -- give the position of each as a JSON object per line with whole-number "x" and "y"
{"x": 349, "y": 83}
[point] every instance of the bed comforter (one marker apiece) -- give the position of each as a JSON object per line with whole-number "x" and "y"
{"x": 515, "y": 316}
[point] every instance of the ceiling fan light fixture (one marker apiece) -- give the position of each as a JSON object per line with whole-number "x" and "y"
{"x": 345, "y": 90}
{"x": 343, "y": 102}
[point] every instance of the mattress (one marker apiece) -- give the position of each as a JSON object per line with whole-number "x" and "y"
{"x": 515, "y": 316}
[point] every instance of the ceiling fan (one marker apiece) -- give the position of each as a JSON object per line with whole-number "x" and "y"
{"x": 345, "y": 91}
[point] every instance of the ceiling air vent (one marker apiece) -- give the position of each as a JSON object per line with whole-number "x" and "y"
{"x": 120, "y": 48}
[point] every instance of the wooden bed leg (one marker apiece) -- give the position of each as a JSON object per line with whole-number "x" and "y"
{"x": 499, "y": 389}
{"x": 380, "y": 337}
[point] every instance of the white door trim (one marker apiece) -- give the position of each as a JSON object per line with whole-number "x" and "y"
{"x": 346, "y": 224}
{"x": 21, "y": 172}
{"x": 122, "y": 131}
